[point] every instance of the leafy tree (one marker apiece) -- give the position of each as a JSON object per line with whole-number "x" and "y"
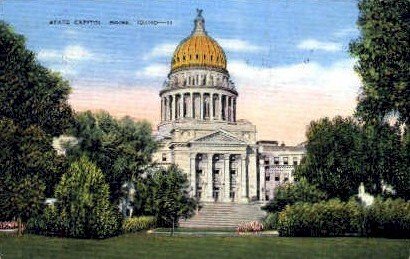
{"x": 383, "y": 59}
{"x": 33, "y": 108}
{"x": 30, "y": 94}
{"x": 333, "y": 160}
{"x": 22, "y": 198}
{"x": 123, "y": 148}
{"x": 170, "y": 199}
{"x": 288, "y": 194}
{"x": 83, "y": 202}
{"x": 382, "y": 157}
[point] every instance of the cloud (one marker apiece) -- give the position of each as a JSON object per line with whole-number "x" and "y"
{"x": 233, "y": 45}
{"x": 69, "y": 53}
{"x": 281, "y": 101}
{"x": 161, "y": 50}
{"x": 312, "y": 44}
{"x": 140, "y": 102}
{"x": 153, "y": 71}
{"x": 346, "y": 32}
{"x": 238, "y": 45}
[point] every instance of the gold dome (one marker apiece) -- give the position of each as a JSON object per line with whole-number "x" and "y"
{"x": 198, "y": 50}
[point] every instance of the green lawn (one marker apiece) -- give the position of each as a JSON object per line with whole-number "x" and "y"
{"x": 151, "y": 246}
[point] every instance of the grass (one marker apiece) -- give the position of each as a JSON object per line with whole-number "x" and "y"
{"x": 151, "y": 246}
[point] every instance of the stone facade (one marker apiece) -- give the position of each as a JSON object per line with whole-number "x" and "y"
{"x": 199, "y": 130}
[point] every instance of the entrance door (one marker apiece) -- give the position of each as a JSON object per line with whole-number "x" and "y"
{"x": 216, "y": 182}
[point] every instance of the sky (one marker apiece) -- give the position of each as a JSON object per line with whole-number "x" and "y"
{"x": 288, "y": 59}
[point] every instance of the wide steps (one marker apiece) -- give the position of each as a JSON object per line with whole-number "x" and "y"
{"x": 223, "y": 215}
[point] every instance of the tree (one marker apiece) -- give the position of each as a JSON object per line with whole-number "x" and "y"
{"x": 83, "y": 202}
{"x": 170, "y": 199}
{"x": 382, "y": 157}
{"x": 333, "y": 160}
{"x": 123, "y": 148}
{"x": 290, "y": 193}
{"x": 22, "y": 198}
{"x": 33, "y": 108}
{"x": 383, "y": 59}
{"x": 30, "y": 94}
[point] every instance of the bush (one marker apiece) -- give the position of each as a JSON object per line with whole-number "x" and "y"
{"x": 390, "y": 218}
{"x": 271, "y": 221}
{"x": 83, "y": 208}
{"x": 291, "y": 193}
{"x": 327, "y": 218}
{"x": 131, "y": 225}
{"x": 48, "y": 223}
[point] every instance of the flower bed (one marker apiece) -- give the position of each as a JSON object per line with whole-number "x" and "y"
{"x": 249, "y": 227}
{"x": 9, "y": 226}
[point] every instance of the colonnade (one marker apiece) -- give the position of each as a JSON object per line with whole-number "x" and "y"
{"x": 202, "y": 106}
{"x": 219, "y": 177}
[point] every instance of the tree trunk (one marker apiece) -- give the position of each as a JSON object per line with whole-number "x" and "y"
{"x": 19, "y": 227}
{"x": 173, "y": 224}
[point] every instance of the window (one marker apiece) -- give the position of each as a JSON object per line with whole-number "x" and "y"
{"x": 199, "y": 171}
{"x": 286, "y": 179}
{"x": 267, "y": 177}
{"x": 266, "y": 168}
{"x": 276, "y": 160}
{"x": 266, "y": 197}
{"x": 295, "y": 161}
{"x": 277, "y": 178}
{"x": 216, "y": 171}
{"x": 266, "y": 161}
{"x": 233, "y": 172}
{"x": 285, "y": 160}
{"x": 197, "y": 56}
{"x": 164, "y": 157}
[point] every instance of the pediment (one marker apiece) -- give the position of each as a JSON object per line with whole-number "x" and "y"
{"x": 218, "y": 137}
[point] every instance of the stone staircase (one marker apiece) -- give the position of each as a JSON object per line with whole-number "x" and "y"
{"x": 223, "y": 215}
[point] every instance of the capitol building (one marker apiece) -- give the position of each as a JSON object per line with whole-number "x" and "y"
{"x": 201, "y": 133}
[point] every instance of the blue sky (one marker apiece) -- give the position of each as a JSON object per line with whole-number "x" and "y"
{"x": 281, "y": 47}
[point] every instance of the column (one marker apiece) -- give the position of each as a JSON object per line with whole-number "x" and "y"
{"x": 168, "y": 107}
{"x": 162, "y": 109}
{"x": 181, "y": 106}
{"x": 201, "y": 102}
{"x": 191, "y": 105}
{"x": 209, "y": 172}
{"x": 231, "y": 109}
{"x": 234, "y": 109}
{"x": 211, "y": 107}
{"x": 226, "y": 175}
{"x": 220, "y": 107}
{"x": 192, "y": 175}
{"x": 244, "y": 179}
{"x": 227, "y": 111}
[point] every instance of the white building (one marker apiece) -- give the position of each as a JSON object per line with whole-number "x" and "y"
{"x": 200, "y": 132}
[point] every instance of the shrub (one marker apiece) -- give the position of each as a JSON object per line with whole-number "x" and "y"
{"x": 131, "y": 225}
{"x": 83, "y": 203}
{"x": 47, "y": 223}
{"x": 390, "y": 218}
{"x": 271, "y": 221}
{"x": 327, "y": 218}
{"x": 291, "y": 193}
{"x": 252, "y": 226}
